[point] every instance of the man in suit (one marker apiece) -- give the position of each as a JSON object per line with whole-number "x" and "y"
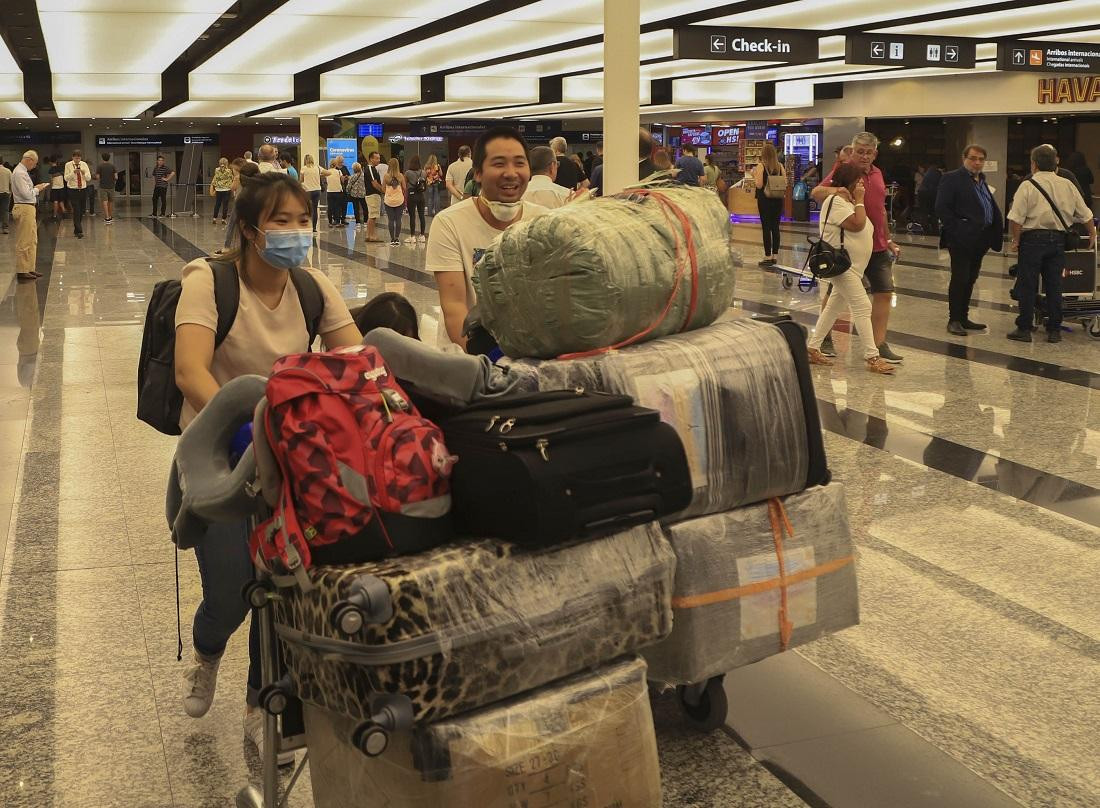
{"x": 970, "y": 225}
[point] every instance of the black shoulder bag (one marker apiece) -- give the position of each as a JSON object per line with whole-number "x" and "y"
{"x": 824, "y": 260}
{"x": 1073, "y": 238}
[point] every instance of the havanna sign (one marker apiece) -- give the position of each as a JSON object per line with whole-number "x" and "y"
{"x": 1070, "y": 90}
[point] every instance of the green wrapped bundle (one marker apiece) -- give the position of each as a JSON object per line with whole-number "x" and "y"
{"x": 601, "y": 272}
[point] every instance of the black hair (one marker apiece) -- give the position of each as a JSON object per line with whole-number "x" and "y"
{"x": 388, "y": 310}
{"x": 491, "y": 134}
{"x": 261, "y": 194}
{"x": 106, "y": 157}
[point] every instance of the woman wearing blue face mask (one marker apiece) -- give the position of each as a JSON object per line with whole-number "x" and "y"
{"x": 274, "y": 223}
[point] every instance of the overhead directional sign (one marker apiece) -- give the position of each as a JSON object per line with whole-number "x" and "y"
{"x": 897, "y": 50}
{"x": 1049, "y": 57}
{"x": 745, "y": 44}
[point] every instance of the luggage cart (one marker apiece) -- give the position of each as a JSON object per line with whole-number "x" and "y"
{"x": 1080, "y": 294}
{"x": 789, "y": 276}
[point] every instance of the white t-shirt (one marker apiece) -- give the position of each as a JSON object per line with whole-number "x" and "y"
{"x": 259, "y": 335}
{"x": 5, "y": 180}
{"x": 459, "y": 236}
{"x": 456, "y": 175}
{"x": 265, "y": 167}
{"x": 858, "y": 244}
{"x": 310, "y": 177}
{"x": 332, "y": 180}
{"x": 543, "y": 191}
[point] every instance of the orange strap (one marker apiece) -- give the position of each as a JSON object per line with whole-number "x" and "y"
{"x": 667, "y": 206}
{"x": 777, "y": 516}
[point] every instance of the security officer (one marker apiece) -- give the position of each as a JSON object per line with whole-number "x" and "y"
{"x": 1042, "y": 211}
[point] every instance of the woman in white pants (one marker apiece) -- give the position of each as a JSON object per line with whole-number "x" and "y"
{"x": 844, "y": 212}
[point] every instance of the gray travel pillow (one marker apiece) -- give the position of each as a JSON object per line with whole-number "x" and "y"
{"x": 202, "y": 487}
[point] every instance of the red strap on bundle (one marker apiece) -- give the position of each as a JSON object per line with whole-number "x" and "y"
{"x": 778, "y": 516}
{"x": 667, "y": 206}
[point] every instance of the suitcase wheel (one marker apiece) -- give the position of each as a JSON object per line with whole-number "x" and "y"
{"x": 1094, "y": 328}
{"x": 368, "y": 601}
{"x": 275, "y": 698}
{"x": 257, "y": 594}
{"x": 705, "y": 705}
{"x": 788, "y": 281}
{"x": 370, "y": 739}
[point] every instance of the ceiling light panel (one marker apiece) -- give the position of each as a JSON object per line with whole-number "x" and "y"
{"x": 654, "y": 45}
{"x": 103, "y": 109}
{"x": 1035, "y": 17}
{"x": 492, "y": 89}
{"x": 203, "y": 87}
{"x": 422, "y": 110}
{"x": 322, "y": 108}
{"x": 588, "y": 90}
{"x": 15, "y": 109}
{"x": 11, "y": 87}
{"x": 8, "y": 65}
{"x": 215, "y": 108}
{"x": 461, "y": 46}
{"x": 840, "y": 13}
{"x": 75, "y": 37}
{"x": 339, "y": 87}
{"x": 105, "y": 86}
{"x": 697, "y": 92}
{"x": 525, "y": 110}
{"x": 681, "y": 67}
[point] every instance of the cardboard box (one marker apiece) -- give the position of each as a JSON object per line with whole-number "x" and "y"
{"x": 583, "y": 742}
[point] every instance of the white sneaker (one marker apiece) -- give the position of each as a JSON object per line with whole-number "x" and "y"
{"x": 201, "y": 679}
{"x": 422, "y": 239}
{"x": 410, "y": 239}
{"x": 254, "y": 731}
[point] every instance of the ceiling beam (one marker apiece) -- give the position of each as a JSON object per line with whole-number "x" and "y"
{"x": 21, "y": 31}
{"x": 239, "y": 18}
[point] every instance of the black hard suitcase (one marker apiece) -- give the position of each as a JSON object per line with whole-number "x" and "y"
{"x": 548, "y": 467}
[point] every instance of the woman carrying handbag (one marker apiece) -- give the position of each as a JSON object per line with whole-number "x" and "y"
{"x": 771, "y": 188}
{"x": 844, "y": 228}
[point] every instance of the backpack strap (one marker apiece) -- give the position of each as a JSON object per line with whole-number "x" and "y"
{"x": 227, "y": 297}
{"x": 311, "y": 298}
{"x": 1050, "y": 202}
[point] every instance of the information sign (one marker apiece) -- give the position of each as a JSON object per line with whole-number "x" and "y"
{"x": 898, "y": 50}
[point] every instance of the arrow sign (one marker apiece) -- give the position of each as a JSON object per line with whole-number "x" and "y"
{"x": 1018, "y": 57}
{"x": 878, "y": 50}
{"x": 951, "y": 54}
{"x": 717, "y": 44}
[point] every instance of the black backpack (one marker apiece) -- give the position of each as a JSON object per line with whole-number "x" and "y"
{"x": 160, "y": 402}
{"x": 420, "y": 185}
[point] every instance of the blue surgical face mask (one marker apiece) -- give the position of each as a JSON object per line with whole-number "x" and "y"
{"x": 285, "y": 249}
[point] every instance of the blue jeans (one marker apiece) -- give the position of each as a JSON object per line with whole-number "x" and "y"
{"x": 435, "y": 195}
{"x": 1042, "y": 255}
{"x": 224, "y": 568}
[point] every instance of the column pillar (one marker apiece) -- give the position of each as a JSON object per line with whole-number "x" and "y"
{"x": 621, "y": 116}
{"x": 309, "y": 131}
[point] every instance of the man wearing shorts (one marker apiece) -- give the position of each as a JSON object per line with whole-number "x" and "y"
{"x": 879, "y": 276}
{"x": 105, "y": 178}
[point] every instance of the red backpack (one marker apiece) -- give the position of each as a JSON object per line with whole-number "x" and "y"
{"x": 363, "y": 474}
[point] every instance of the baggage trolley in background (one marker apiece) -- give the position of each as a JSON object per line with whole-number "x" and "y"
{"x": 789, "y": 276}
{"x": 1080, "y": 295}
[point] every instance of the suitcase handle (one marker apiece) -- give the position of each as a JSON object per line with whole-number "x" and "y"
{"x": 604, "y": 596}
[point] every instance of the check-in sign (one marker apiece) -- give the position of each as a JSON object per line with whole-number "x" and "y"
{"x": 745, "y": 44}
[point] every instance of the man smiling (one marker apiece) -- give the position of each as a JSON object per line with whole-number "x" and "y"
{"x": 460, "y": 234}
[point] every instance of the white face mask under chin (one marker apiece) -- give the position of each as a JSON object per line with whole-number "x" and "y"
{"x": 502, "y": 211}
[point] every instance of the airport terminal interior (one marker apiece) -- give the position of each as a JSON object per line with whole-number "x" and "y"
{"x": 958, "y": 667}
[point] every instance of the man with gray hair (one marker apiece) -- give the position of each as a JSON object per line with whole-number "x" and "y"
{"x": 879, "y": 275}
{"x": 1042, "y": 210}
{"x": 269, "y": 159}
{"x": 569, "y": 175}
{"x": 24, "y": 194}
{"x": 542, "y": 190}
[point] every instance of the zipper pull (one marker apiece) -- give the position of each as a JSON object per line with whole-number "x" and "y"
{"x": 387, "y": 416}
{"x": 492, "y": 423}
{"x": 543, "y": 445}
{"x": 506, "y": 427}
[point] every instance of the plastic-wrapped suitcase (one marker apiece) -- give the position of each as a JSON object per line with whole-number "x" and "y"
{"x": 584, "y": 741}
{"x": 739, "y": 393}
{"x": 451, "y": 630}
{"x": 728, "y": 587}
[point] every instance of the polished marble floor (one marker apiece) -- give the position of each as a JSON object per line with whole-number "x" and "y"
{"x": 973, "y": 481}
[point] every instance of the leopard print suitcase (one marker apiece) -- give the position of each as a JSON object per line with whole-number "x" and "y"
{"x": 469, "y": 624}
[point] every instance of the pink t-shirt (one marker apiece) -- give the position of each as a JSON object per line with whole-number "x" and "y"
{"x": 874, "y": 201}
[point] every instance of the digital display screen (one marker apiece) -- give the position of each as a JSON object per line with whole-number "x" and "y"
{"x": 370, "y": 130}
{"x": 727, "y": 136}
{"x": 695, "y": 136}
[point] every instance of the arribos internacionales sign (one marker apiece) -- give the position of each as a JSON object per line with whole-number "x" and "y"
{"x": 1073, "y": 90}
